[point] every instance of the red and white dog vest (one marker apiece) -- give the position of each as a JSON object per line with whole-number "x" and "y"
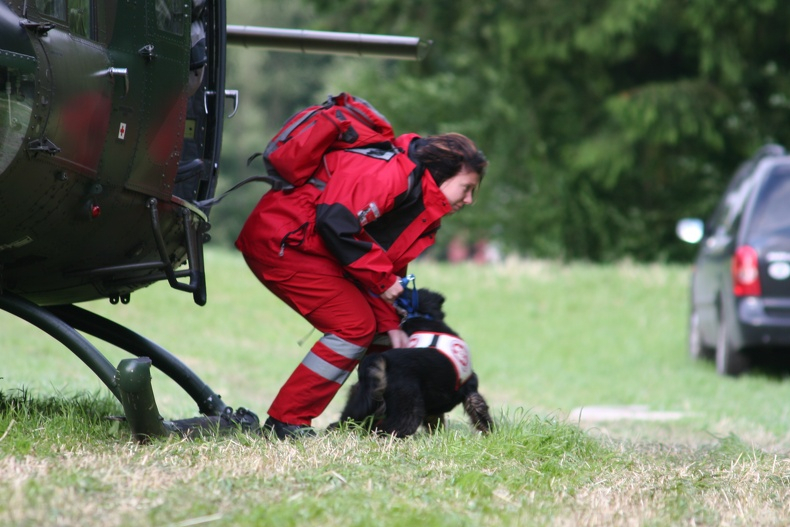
{"x": 451, "y": 347}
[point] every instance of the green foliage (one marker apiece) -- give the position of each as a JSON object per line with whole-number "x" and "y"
{"x": 604, "y": 122}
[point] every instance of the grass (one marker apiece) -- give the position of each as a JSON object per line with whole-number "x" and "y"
{"x": 546, "y": 339}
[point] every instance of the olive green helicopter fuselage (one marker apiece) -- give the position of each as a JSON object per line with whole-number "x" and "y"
{"x": 111, "y": 118}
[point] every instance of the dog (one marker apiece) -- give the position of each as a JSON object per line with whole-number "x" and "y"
{"x": 401, "y": 389}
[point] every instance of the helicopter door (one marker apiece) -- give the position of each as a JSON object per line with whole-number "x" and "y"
{"x": 78, "y": 108}
{"x": 197, "y": 171}
{"x": 158, "y": 76}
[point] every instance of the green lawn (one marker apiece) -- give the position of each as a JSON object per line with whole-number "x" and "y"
{"x": 547, "y": 340}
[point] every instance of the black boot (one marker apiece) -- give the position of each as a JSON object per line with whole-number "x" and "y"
{"x": 273, "y": 427}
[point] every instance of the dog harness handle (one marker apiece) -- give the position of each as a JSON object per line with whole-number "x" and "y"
{"x": 451, "y": 347}
{"x": 409, "y": 305}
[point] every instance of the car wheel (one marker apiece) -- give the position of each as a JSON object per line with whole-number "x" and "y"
{"x": 697, "y": 349}
{"x": 729, "y": 361}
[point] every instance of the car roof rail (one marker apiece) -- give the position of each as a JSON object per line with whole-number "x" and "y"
{"x": 770, "y": 150}
{"x": 746, "y": 169}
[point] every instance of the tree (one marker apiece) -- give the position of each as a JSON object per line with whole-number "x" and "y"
{"x": 605, "y": 120}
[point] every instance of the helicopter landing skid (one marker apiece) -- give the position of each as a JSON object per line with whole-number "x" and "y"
{"x": 137, "y": 397}
{"x": 130, "y": 383}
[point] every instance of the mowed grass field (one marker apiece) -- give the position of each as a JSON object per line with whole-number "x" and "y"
{"x": 604, "y": 420}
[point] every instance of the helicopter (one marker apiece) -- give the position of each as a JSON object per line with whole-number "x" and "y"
{"x": 111, "y": 120}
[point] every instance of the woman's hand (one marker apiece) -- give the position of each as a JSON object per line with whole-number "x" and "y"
{"x": 399, "y": 338}
{"x": 391, "y": 294}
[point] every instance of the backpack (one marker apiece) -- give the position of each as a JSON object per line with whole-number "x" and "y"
{"x": 295, "y": 153}
{"x": 343, "y": 122}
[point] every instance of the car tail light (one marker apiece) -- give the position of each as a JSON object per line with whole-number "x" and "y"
{"x": 746, "y": 272}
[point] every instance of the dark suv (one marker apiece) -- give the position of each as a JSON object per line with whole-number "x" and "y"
{"x": 740, "y": 288}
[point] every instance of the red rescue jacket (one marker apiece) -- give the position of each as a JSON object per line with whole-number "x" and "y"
{"x": 368, "y": 223}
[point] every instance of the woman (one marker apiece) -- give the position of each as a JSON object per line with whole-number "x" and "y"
{"x": 336, "y": 254}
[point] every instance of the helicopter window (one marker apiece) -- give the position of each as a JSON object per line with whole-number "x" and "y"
{"x": 79, "y": 16}
{"x": 53, "y": 8}
{"x": 76, "y": 12}
{"x": 18, "y": 88}
{"x": 170, "y": 16}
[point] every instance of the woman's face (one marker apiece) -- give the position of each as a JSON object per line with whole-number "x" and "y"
{"x": 460, "y": 189}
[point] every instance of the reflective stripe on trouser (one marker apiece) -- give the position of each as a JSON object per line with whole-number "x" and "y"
{"x": 315, "y": 382}
{"x": 342, "y": 313}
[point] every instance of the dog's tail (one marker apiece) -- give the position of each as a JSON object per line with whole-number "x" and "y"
{"x": 367, "y": 396}
{"x": 477, "y": 410}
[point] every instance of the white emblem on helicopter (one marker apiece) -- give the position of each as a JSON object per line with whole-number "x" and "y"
{"x": 122, "y": 131}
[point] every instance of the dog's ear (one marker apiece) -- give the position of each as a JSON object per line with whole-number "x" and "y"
{"x": 439, "y": 301}
{"x": 431, "y": 303}
{"x": 430, "y": 297}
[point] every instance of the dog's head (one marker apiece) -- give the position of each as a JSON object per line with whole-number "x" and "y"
{"x": 425, "y": 303}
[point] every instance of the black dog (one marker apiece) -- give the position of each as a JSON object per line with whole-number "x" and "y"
{"x": 403, "y": 388}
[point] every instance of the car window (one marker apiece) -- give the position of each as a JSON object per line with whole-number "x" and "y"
{"x": 728, "y": 213}
{"x": 716, "y": 219}
{"x": 770, "y": 214}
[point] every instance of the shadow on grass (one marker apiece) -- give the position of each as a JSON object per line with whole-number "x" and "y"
{"x": 32, "y": 423}
{"x": 89, "y": 407}
{"x": 773, "y": 365}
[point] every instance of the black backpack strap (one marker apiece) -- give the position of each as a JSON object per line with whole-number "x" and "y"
{"x": 276, "y": 182}
{"x": 272, "y": 178}
{"x": 253, "y": 157}
{"x": 415, "y": 178}
{"x": 208, "y": 203}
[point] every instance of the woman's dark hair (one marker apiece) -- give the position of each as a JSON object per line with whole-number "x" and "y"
{"x": 447, "y": 154}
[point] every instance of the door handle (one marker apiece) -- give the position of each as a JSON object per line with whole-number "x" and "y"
{"x": 116, "y": 72}
{"x": 229, "y": 94}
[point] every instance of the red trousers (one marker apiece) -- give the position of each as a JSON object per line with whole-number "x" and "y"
{"x": 339, "y": 310}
